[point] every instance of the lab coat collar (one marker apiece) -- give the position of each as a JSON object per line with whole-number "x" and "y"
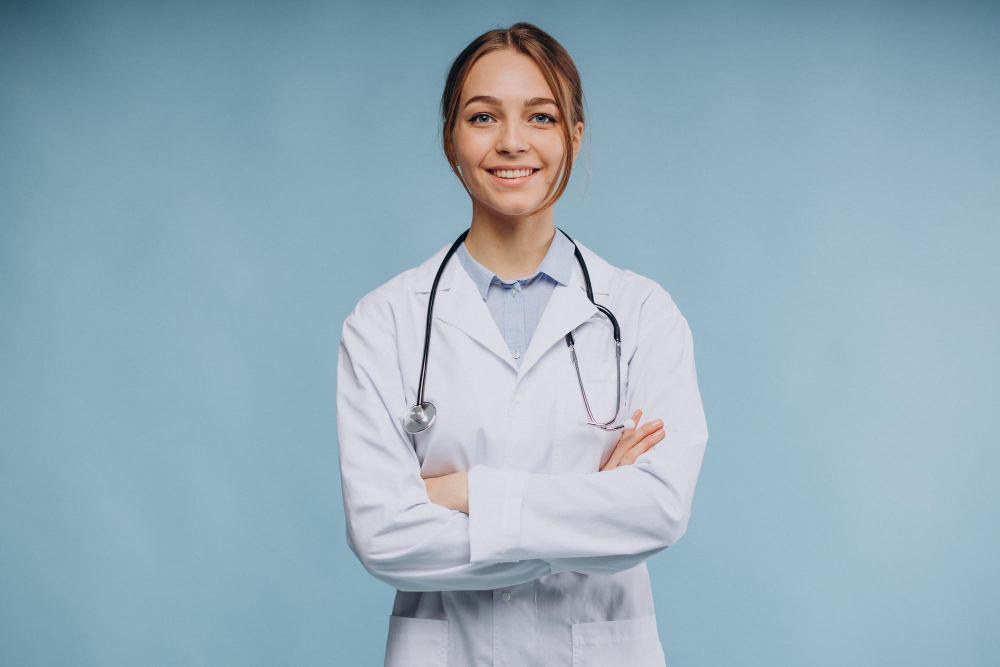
{"x": 459, "y": 303}
{"x": 598, "y": 268}
{"x": 557, "y": 264}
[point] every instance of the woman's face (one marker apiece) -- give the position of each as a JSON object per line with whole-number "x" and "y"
{"x": 508, "y": 120}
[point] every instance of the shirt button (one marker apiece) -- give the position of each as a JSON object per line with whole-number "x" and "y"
{"x": 505, "y": 596}
{"x": 516, "y": 354}
{"x": 513, "y": 291}
{"x": 519, "y": 398}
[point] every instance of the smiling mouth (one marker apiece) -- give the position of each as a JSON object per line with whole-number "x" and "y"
{"x": 512, "y": 176}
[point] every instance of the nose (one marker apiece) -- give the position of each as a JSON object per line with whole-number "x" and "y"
{"x": 512, "y": 140}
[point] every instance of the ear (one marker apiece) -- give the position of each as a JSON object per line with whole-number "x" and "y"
{"x": 577, "y": 138}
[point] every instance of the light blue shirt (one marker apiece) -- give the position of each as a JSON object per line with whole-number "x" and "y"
{"x": 517, "y": 305}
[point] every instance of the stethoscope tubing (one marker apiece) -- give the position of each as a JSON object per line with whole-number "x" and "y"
{"x": 422, "y": 414}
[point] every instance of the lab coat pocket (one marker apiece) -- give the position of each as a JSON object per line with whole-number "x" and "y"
{"x": 582, "y": 448}
{"x": 628, "y": 641}
{"x": 417, "y": 642}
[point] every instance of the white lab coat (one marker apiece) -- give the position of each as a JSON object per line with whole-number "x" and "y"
{"x": 548, "y": 568}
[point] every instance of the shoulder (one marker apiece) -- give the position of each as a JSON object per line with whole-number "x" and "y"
{"x": 384, "y": 306}
{"x": 632, "y": 290}
{"x": 377, "y": 311}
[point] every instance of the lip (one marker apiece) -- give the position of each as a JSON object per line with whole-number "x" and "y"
{"x": 513, "y": 166}
{"x": 512, "y": 182}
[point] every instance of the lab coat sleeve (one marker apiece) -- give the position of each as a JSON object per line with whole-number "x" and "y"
{"x": 611, "y": 564}
{"x": 632, "y": 510}
{"x": 398, "y": 534}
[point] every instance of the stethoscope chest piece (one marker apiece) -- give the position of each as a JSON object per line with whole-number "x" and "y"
{"x": 420, "y": 417}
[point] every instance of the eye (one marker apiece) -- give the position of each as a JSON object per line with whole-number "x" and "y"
{"x": 545, "y": 115}
{"x": 478, "y": 115}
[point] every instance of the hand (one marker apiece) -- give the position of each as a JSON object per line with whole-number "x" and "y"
{"x": 452, "y": 490}
{"x": 634, "y": 441}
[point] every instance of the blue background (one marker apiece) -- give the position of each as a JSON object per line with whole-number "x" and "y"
{"x": 194, "y": 196}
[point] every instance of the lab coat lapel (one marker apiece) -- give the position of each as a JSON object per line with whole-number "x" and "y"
{"x": 568, "y": 308}
{"x": 462, "y": 306}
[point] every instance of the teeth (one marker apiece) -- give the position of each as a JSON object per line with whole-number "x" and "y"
{"x": 512, "y": 173}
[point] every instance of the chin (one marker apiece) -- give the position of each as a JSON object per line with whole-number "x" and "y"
{"x": 515, "y": 210}
{"x": 512, "y": 205}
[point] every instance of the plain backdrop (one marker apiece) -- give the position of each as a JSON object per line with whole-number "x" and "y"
{"x": 194, "y": 195}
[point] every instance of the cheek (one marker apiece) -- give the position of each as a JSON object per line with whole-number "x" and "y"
{"x": 553, "y": 155}
{"x": 471, "y": 147}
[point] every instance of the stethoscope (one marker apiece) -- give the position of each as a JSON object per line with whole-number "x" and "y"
{"x": 422, "y": 414}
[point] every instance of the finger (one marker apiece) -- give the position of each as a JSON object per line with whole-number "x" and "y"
{"x": 625, "y": 441}
{"x": 644, "y": 445}
{"x": 630, "y": 437}
{"x": 640, "y": 448}
{"x": 612, "y": 461}
{"x": 643, "y": 431}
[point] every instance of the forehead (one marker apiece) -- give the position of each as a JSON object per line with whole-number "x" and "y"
{"x": 508, "y": 75}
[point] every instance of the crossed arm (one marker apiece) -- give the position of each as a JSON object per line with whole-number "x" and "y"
{"x": 514, "y": 526}
{"x": 452, "y": 490}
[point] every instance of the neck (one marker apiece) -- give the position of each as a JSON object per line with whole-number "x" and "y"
{"x": 512, "y": 247}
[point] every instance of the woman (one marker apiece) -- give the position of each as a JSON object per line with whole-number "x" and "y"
{"x": 514, "y": 535}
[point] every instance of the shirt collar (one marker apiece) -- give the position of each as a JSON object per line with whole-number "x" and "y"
{"x": 557, "y": 264}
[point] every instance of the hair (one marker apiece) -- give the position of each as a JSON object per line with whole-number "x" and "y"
{"x": 557, "y": 67}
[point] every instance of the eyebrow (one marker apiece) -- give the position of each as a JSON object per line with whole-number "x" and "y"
{"x": 489, "y": 99}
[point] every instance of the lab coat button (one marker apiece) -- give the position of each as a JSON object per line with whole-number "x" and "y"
{"x": 505, "y": 596}
{"x": 516, "y": 354}
{"x": 519, "y": 398}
